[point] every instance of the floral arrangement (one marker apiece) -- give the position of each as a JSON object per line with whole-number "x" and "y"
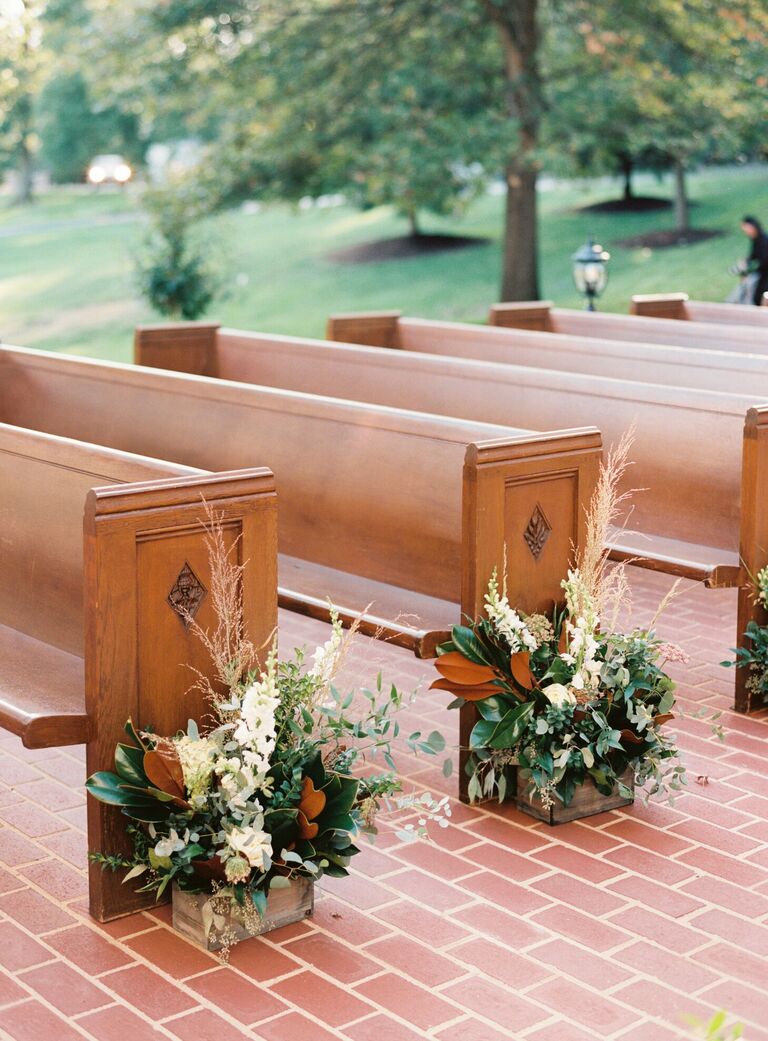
{"x": 559, "y": 695}
{"x": 754, "y": 657}
{"x": 264, "y": 793}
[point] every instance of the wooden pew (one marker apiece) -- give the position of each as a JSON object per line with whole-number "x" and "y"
{"x": 678, "y": 306}
{"x": 709, "y": 369}
{"x": 410, "y": 511}
{"x": 690, "y": 510}
{"x": 541, "y": 315}
{"x": 97, "y": 547}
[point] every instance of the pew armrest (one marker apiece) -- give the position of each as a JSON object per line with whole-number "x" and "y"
{"x": 718, "y": 569}
{"x": 399, "y": 616}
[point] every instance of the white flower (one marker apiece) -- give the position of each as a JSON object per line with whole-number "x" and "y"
{"x": 326, "y": 656}
{"x": 559, "y": 695}
{"x": 255, "y": 730}
{"x": 196, "y": 758}
{"x": 252, "y": 843}
{"x": 172, "y": 844}
{"x": 506, "y": 620}
{"x": 577, "y": 681}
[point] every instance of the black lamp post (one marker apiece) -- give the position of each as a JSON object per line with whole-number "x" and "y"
{"x": 590, "y": 274}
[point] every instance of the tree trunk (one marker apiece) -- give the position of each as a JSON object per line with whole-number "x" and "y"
{"x": 517, "y": 26}
{"x": 413, "y": 223}
{"x": 682, "y": 210}
{"x": 520, "y": 277}
{"x": 24, "y": 170}
{"x": 627, "y": 169}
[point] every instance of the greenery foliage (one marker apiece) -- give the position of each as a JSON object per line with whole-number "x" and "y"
{"x": 267, "y": 794}
{"x": 174, "y": 273}
{"x": 560, "y": 698}
{"x": 754, "y": 654}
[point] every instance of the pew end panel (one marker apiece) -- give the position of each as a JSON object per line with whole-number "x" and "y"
{"x": 754, "y": 537}
{"x": 146, "y": 558}
{"x": 369, "y": 328}
{"x": 180, "y": 347}
{"x": 659, "y": 305}
{"x": 524, "y": 515}
{"x": 533, "y": 315}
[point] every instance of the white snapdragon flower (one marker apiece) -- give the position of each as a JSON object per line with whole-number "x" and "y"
{"x": 256, "y": 730}
{"x": 326, "y": 657}
{"x": 506, "y": 620}
{"x": 251, "y": 843}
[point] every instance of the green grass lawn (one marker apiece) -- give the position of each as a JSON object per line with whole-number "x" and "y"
{"x": 66, "y": 262}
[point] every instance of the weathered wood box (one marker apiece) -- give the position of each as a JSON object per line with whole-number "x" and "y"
{"x": 586, "y": 801}
{"x": 213, "y": 923}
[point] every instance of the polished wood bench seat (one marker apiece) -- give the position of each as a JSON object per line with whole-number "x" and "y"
{"x": 93, "y": 543}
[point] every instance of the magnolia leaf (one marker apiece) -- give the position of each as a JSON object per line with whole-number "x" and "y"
{"x": 519, "y": 665}
{"x": 468, "y": 644}
{"x": 163, "y": 768}
{"x": 312, "y": 802}
{"x": 460, "y": 670}
{"x": 307, "y": 830}
{"x": 478, "y": 693}
{"x": 509, "y": 730}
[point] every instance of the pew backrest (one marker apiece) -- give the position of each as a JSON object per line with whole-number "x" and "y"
{"x": 605, "y": 325}
{"x": 378, "y": 492}
{"x": 45, "y": 482}
{"x": 691, "y": 495}
{"x": 674, "y": 366}
{"x": 680, "y": 307}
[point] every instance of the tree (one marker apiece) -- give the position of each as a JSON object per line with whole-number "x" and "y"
{"x": 660, "y": 83}
{"x": 21, "y": 71}
{"x": 174, "y": 275}
{"x": 395, "y": 100}
{"x": 72, "y": 128}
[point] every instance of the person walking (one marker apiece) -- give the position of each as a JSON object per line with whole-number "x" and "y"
{"x": 757, "y": 261}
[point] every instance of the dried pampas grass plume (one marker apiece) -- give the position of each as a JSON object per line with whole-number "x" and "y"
{"x": 608, "y": 588}
{"x": 233, "y": 656}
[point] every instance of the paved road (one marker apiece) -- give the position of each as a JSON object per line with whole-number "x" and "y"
{"x": 16, "y": 230}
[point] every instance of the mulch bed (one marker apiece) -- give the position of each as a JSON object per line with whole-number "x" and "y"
{"x": 402, "y": 247}
{"x": 666, "y": 239}
{"x": 637, "y": 204}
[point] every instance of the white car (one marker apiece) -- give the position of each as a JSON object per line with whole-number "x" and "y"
{"x": 109, "y": 169}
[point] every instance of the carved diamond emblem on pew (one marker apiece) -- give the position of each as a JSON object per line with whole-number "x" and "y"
{"x": 187, "y": 594}
{"x": 537, "y": 532}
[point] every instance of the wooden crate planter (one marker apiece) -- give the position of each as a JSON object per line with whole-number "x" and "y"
{"x": 196, "y": 915}
{"x": 586, "y": 801}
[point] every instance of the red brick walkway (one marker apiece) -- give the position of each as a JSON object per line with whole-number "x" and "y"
{"x": 608, "y": 929}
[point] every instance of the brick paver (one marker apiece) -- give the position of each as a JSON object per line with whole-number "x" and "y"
{"x": 603, "y": 930}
